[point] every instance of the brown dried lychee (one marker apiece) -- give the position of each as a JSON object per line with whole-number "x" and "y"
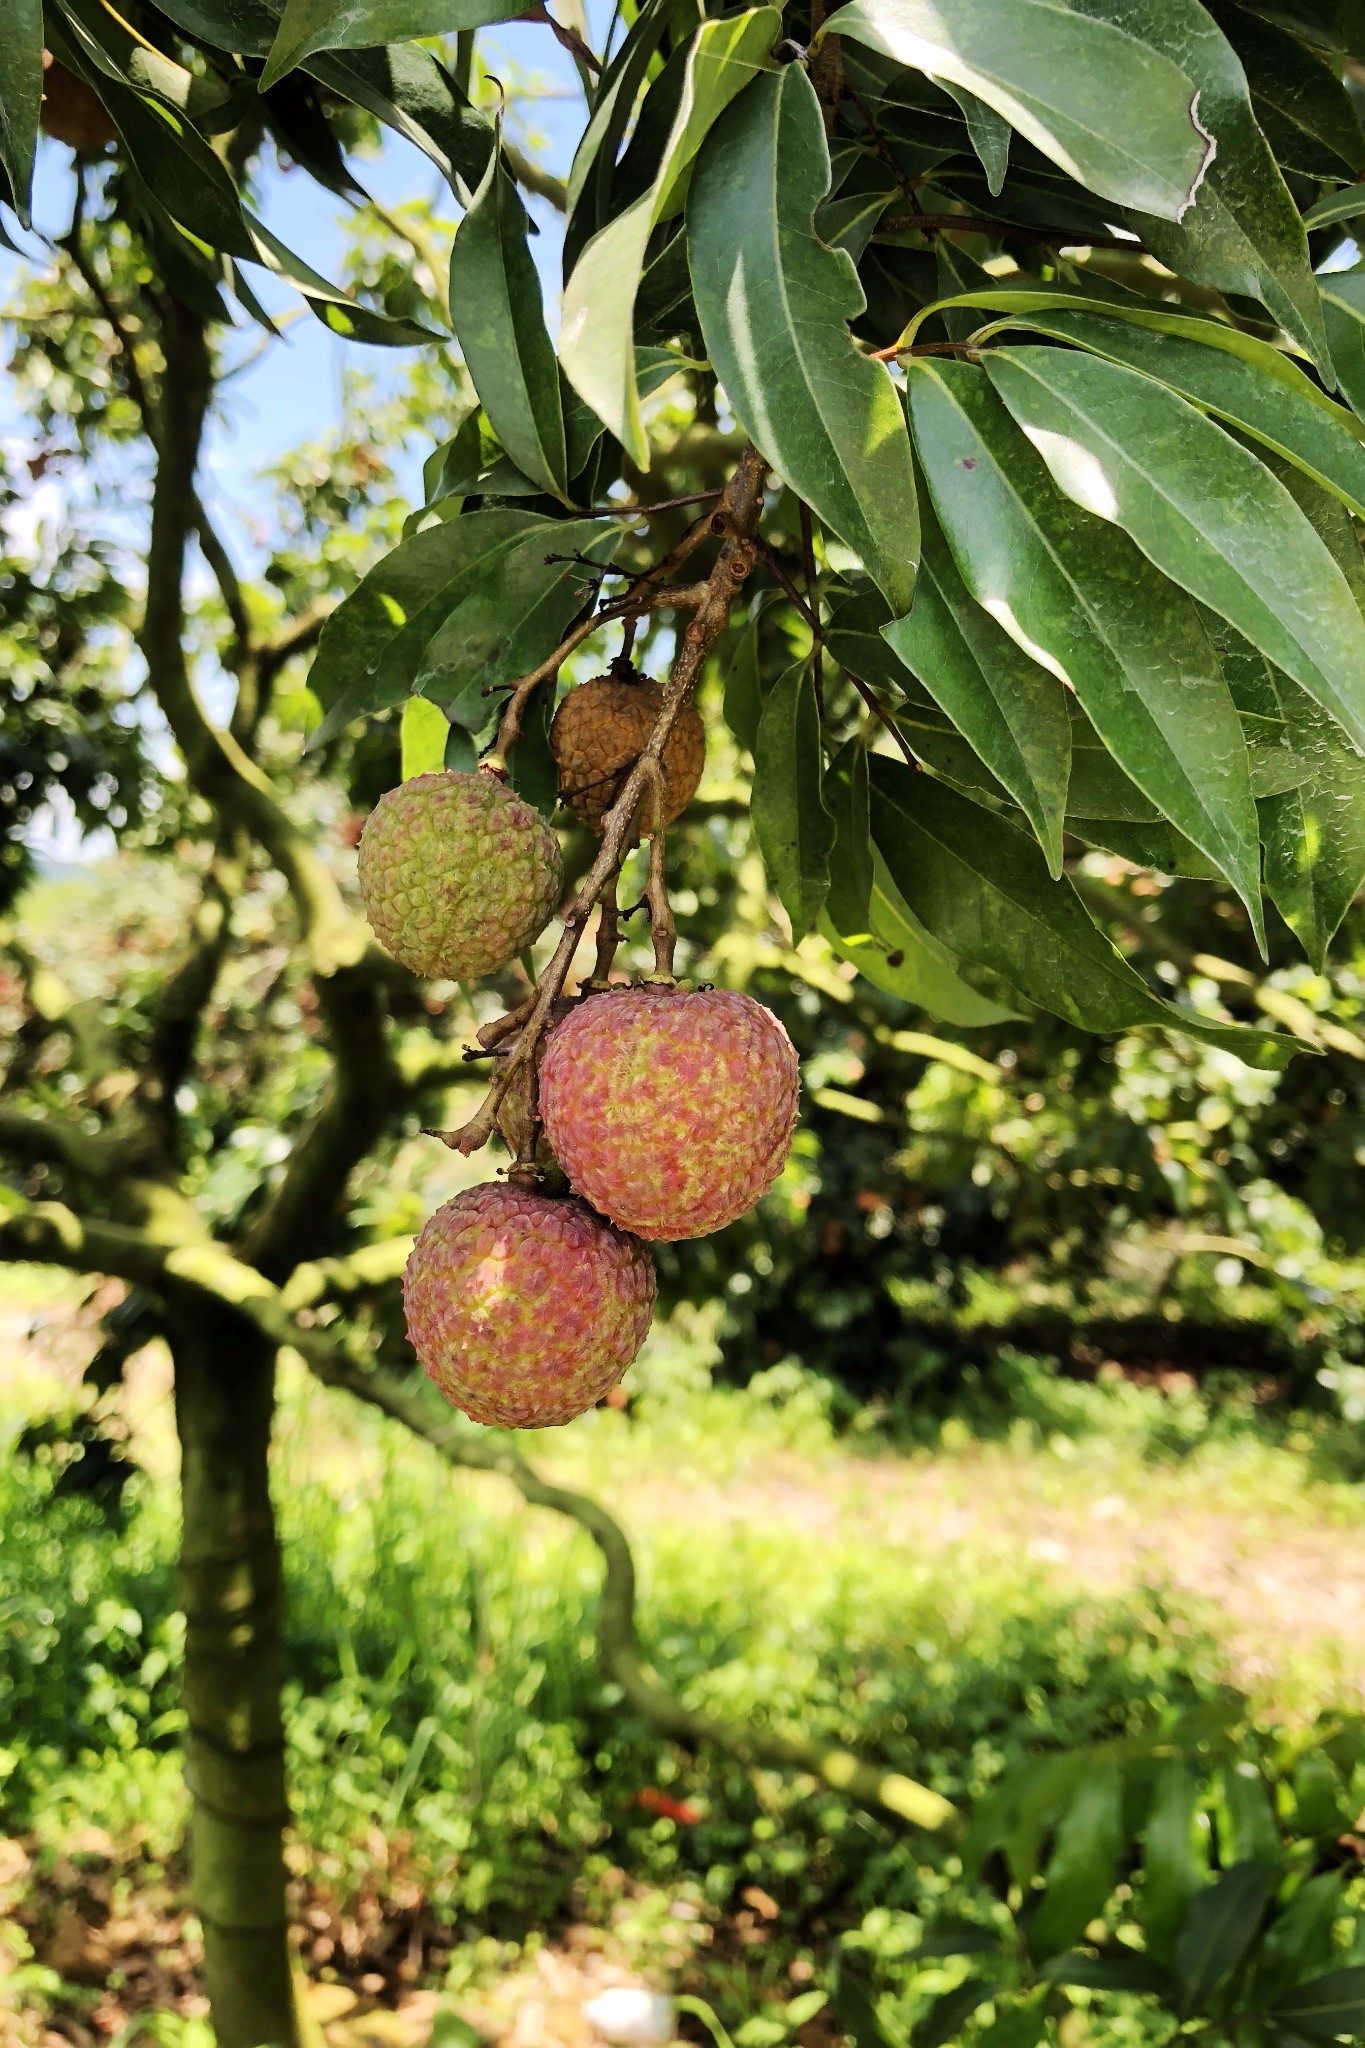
{"x": 72, "y": 112}
{"x": 599, "y": 733}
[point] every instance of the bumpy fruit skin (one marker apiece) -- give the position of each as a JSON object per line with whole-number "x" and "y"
{"x": 599, "y": 733}
{"x": 457, "y": 874}
{"x": 525, "y": 1311}
{"x": 670, "y": 1111}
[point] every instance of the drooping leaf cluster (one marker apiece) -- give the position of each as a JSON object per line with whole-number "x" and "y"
{"x": 1023, "y": 305}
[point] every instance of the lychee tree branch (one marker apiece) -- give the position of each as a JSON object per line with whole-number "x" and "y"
{"x": 735, "y": 520}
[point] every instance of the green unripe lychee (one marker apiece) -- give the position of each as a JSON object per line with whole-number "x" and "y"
{"x": 523, "y": 1309}
{"x": 457, "y": 874}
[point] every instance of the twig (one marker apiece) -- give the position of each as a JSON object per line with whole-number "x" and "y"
{"x": 924, "y": 348}
{"x": 608, "y": 937}
{"x": 883, "y": 717}
{"x": 969, "y": 224}
{"x": 736, "y": 519}
{"x": 645, "y": 508}
{"x": 567, "y": 38}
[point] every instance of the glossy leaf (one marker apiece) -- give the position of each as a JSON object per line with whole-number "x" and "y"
{"x": 1115, "y": 1970}
{"x": 308, "y": 26}
{"x": 612, "y": 107}
{"x": 1105, "y": 101}
{"x": 246, "y": 26}
{"x": 742, "y": 703}
{"x": 21, "y": 91}
{"x": 849, "y": 901}
{"x": 423, "y": 733}
{"x": 485, "y": 572}
{"x": 990, "y": 136}
{"x": 1172, "y": 1869}
{"x": 981, "y": 887}
{"x": 1201, "y": 507}
{"x": 1299, "y": 1942}
{"x": 1081, "y": 1869}
{"x": 597, "y": 335}
{"x": 774, "y": 304}
{"x": 1243, "y": 233}
{"x": 335, "y": 308}
{"x": 495, "y": 310}
{"x": 949, "y": 2012}
{"x": 1348, "y": 204}
{"x": 406, "y": 88}
{"x": 1219, "y": 1928}
{"x": 1080, "y": 598}
{"x": 1343, "y": 308}
{"x": 1297, "y": 420}
{"x": 1011, "y": 711}
{"x": 795, "y": 832}
{"x": 1327, "y": 2007}
{"x": 179, "y": 167}
{"x": 1302, "y": 106}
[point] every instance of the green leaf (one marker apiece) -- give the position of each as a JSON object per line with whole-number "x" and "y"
{"x": 1172, "y": 1869}
{"x": 1008, "y": 708}
{"x": 1301, "y": 104}
{"x": 774, "y": 305}
{"x": 21, "y": 92}
{"x": 1115, "y": 1970}
{"x": 990, "y": 136}
{"x": 1348, "y": 204}
{"x": 311, "y": 25}
{"x": 422, "y": 734}
{"x": 1243, "y": 233}
{"x": 1300, "y": 1940}
{"x": 1080, "y": 1872}
{"x": 794, "y": 830}
{"x": 597, "y": 344}
{"x": 335, "y": 308}
{"x": 1017, "y": 2026}
{"x": 1327, "y": 2007}
{"x": 533, "y": 770}
{"x": 1219, "y": 1928}
{"x": 849, "y": 902}
{"x": 1343, "y": 309}
{"x": 178, "y": 167}
{"x": 1201, "y": 507}
{"x": 946, "y": 2016}
{"x": 1294, "y": 418}
{"x": 1247, "y": 1828}
{"x": 409, "y": 91}
{"x": 981, "y": 888}
{"x": 899, "y": 956}
{"x": 612, "y": 106}
{"x": 486, "y": 569}
{"x": 246, "y": 26}
{"x": 495, "y": 310}
{"x": 1106, "y": 102}
{"x": 742, "y": 705}
{"x": 1078, "y": 597}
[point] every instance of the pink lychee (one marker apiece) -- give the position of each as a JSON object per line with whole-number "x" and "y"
{"x": 670, "y": 1111}
{"x": 525, "y": 1310}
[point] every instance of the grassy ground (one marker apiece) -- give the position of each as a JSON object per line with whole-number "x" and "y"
{"x": 477, "y": 1820}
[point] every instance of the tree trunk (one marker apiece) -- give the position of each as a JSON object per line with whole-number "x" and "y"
{"x": 234, "y": 1741}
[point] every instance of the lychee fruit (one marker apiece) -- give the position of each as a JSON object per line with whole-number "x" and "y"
{"x": 525, "y": 1310}
{"x": 457, "y": 874}
{"x": 670, "y": 1111}
{"x": 599, "y": 733}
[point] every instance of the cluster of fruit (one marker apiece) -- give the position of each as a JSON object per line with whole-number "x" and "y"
{"x": 669, "y": 1111}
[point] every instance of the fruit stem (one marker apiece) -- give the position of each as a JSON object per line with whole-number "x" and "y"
{"x": 662, "y": 927}
{"x": 734, "y": 522}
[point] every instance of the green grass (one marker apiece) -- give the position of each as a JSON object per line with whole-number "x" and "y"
{"x": 936, "y": 1606}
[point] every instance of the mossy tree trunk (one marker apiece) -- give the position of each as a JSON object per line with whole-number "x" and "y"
{"x": 234, "y": 1740}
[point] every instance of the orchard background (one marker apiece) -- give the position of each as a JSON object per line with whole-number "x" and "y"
{"x": 983, "y": 1660}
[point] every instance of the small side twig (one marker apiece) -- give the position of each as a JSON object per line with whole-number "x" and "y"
{"x": 567, "y": 38}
